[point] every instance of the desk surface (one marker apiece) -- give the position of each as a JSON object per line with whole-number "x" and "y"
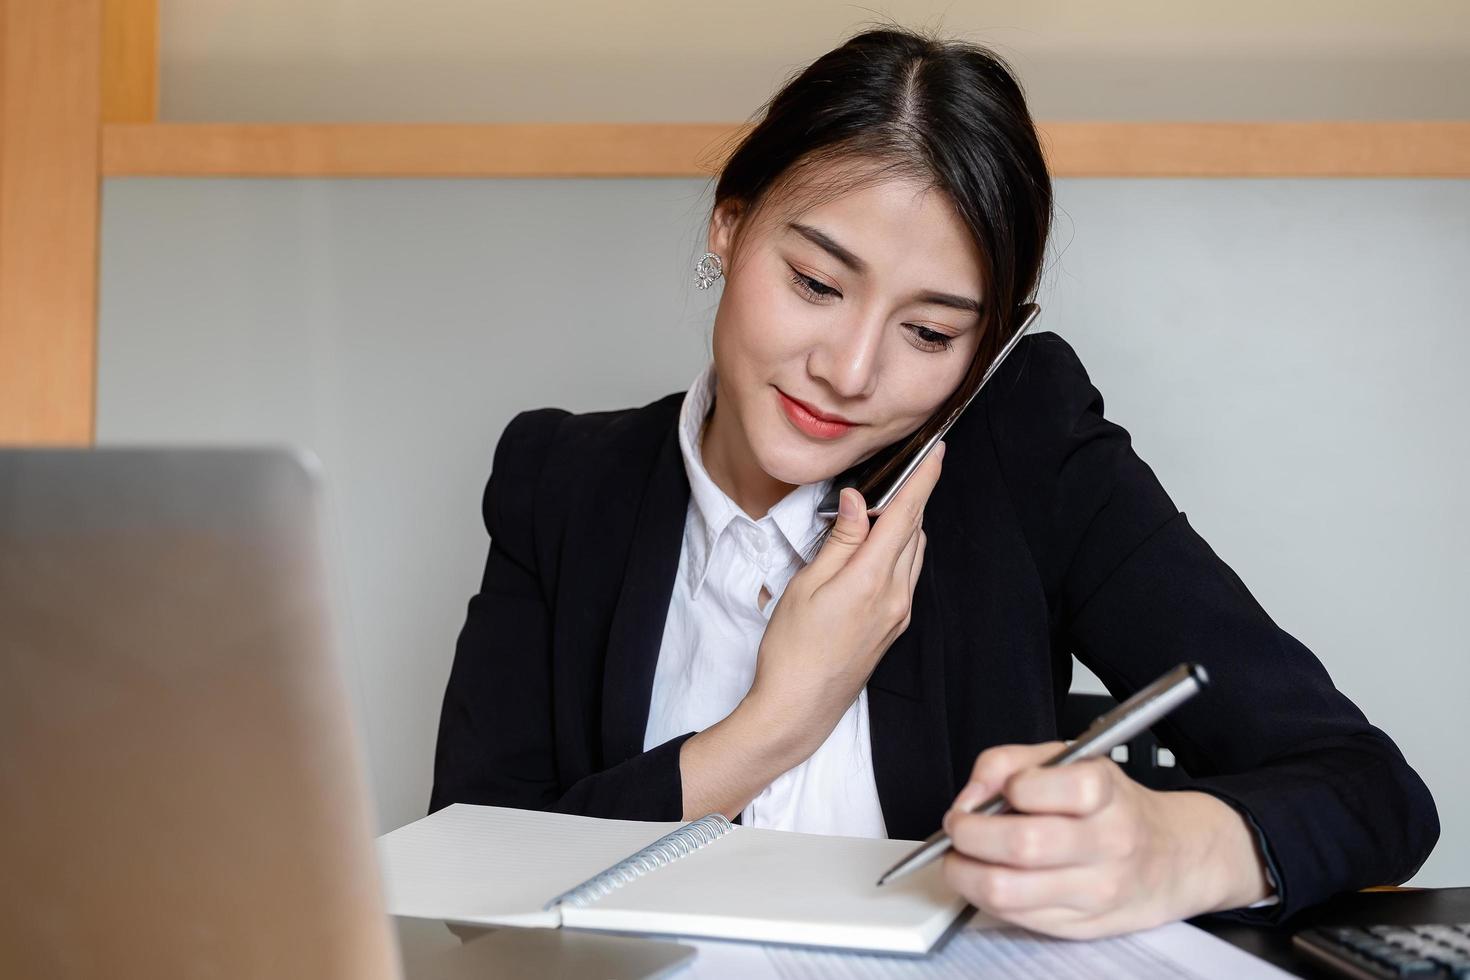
{"x": 1356, "y": 908}
{"x": 423, "y": 941}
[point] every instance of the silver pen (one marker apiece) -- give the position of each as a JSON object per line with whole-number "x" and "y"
{"x": 1102, "y": 736}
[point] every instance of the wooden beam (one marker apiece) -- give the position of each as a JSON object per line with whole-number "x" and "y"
{"x": 413, "y": 150}
{"x": 50, "y": 94}
{"x": 1309, "y": 149}
{"x": 1298, "y": 149}
{"x": 129, "y": 61}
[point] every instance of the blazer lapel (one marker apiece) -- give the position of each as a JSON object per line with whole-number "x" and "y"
{"x": 643, "y": 603}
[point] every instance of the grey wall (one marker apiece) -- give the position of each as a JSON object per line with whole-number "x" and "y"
{"x": 1287, "y": 354}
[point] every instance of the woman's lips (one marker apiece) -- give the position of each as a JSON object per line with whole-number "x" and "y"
{"x": 805, "y": 421}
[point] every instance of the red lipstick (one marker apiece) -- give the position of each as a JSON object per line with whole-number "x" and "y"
{"x": 810, "y": 421}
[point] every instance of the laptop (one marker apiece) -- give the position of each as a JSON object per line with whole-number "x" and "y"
{"x": 181, "y": 785}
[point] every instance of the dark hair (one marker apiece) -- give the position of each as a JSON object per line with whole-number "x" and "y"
{"x": 948, "y": 113}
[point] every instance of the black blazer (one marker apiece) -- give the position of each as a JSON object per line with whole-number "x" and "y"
{"x": 1048, "y": 536}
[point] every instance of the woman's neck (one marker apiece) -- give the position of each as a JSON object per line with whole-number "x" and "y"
{"x": 731, "y": 465}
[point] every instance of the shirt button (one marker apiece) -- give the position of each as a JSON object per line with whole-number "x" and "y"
{"x": 760, "y": 544}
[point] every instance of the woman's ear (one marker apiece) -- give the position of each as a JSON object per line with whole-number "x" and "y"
{"x": 723, "y": 222}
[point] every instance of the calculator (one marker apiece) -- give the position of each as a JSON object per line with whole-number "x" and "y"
{"x": 1371, "y": 952}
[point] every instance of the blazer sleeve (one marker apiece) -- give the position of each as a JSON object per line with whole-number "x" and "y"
{"x": 497, "y": 742}
{"x": 1134, "y": 590}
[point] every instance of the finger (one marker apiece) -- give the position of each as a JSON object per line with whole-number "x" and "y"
{"x": 996, "y": 765}
{"x": 1006, "y": 892}
{"x": 918, "y": 563}
{"x": 1019, "y": 840}
{"x": 848, "y": 532}
{"x": 893, "y": 527}
{"x": 905, "y": 560}
{"x": 897, "y": 601}
{"x": 1080, "y": 789}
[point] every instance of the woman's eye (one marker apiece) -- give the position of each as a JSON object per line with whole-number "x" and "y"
{"x": 923, "y": 337}
{"x": 811, "y": 287}
{"x": 931, "y": 340}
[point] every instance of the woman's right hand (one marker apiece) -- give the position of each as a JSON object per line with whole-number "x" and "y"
{"x": 839, "y": 615}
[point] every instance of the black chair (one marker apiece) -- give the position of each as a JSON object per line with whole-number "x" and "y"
{"x": 1143, "y": 759}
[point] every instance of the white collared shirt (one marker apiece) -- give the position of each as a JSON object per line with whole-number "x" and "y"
{"x": 706, "y": 662}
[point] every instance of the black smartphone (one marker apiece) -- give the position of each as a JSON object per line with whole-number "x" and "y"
{"x": 881, "y": 476}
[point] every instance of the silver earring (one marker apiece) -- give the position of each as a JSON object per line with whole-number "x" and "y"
{"x": 707, "y": 270}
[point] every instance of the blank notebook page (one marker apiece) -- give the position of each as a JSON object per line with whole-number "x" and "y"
{"x": 780, "y": 886}
{"x": 498, "y": 865}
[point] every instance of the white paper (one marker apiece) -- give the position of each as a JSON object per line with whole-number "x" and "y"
{"x": 982, "y": 949}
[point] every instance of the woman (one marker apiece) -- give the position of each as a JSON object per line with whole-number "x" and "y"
{"x": 648, "y": 642}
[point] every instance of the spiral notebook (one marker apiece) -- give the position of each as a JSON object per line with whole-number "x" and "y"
{"x": 707, "y": 878}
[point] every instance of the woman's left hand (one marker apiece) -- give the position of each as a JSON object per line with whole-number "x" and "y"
{"x": 1092, "y": 853}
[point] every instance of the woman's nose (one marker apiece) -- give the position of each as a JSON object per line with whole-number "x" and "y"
{"x": 848, "y": 359}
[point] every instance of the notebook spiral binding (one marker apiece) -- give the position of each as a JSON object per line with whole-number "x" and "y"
{"x": 671, "y": 846}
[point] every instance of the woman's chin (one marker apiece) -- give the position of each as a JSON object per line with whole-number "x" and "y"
{"x": 800, "y": 465}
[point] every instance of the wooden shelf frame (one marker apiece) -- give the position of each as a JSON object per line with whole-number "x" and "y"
{"x": 1075, "y": 149}
{"x": 50, "y": 107}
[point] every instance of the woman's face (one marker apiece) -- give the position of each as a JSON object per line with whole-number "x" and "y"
{"x": 842, "y": 329}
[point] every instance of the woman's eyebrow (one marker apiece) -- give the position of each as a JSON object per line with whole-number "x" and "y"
{"x": 828, "y": 244}
{"x": 825, "y": 241}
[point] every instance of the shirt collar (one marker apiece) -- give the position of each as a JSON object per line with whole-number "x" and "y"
{"x": 712, "y": 510}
